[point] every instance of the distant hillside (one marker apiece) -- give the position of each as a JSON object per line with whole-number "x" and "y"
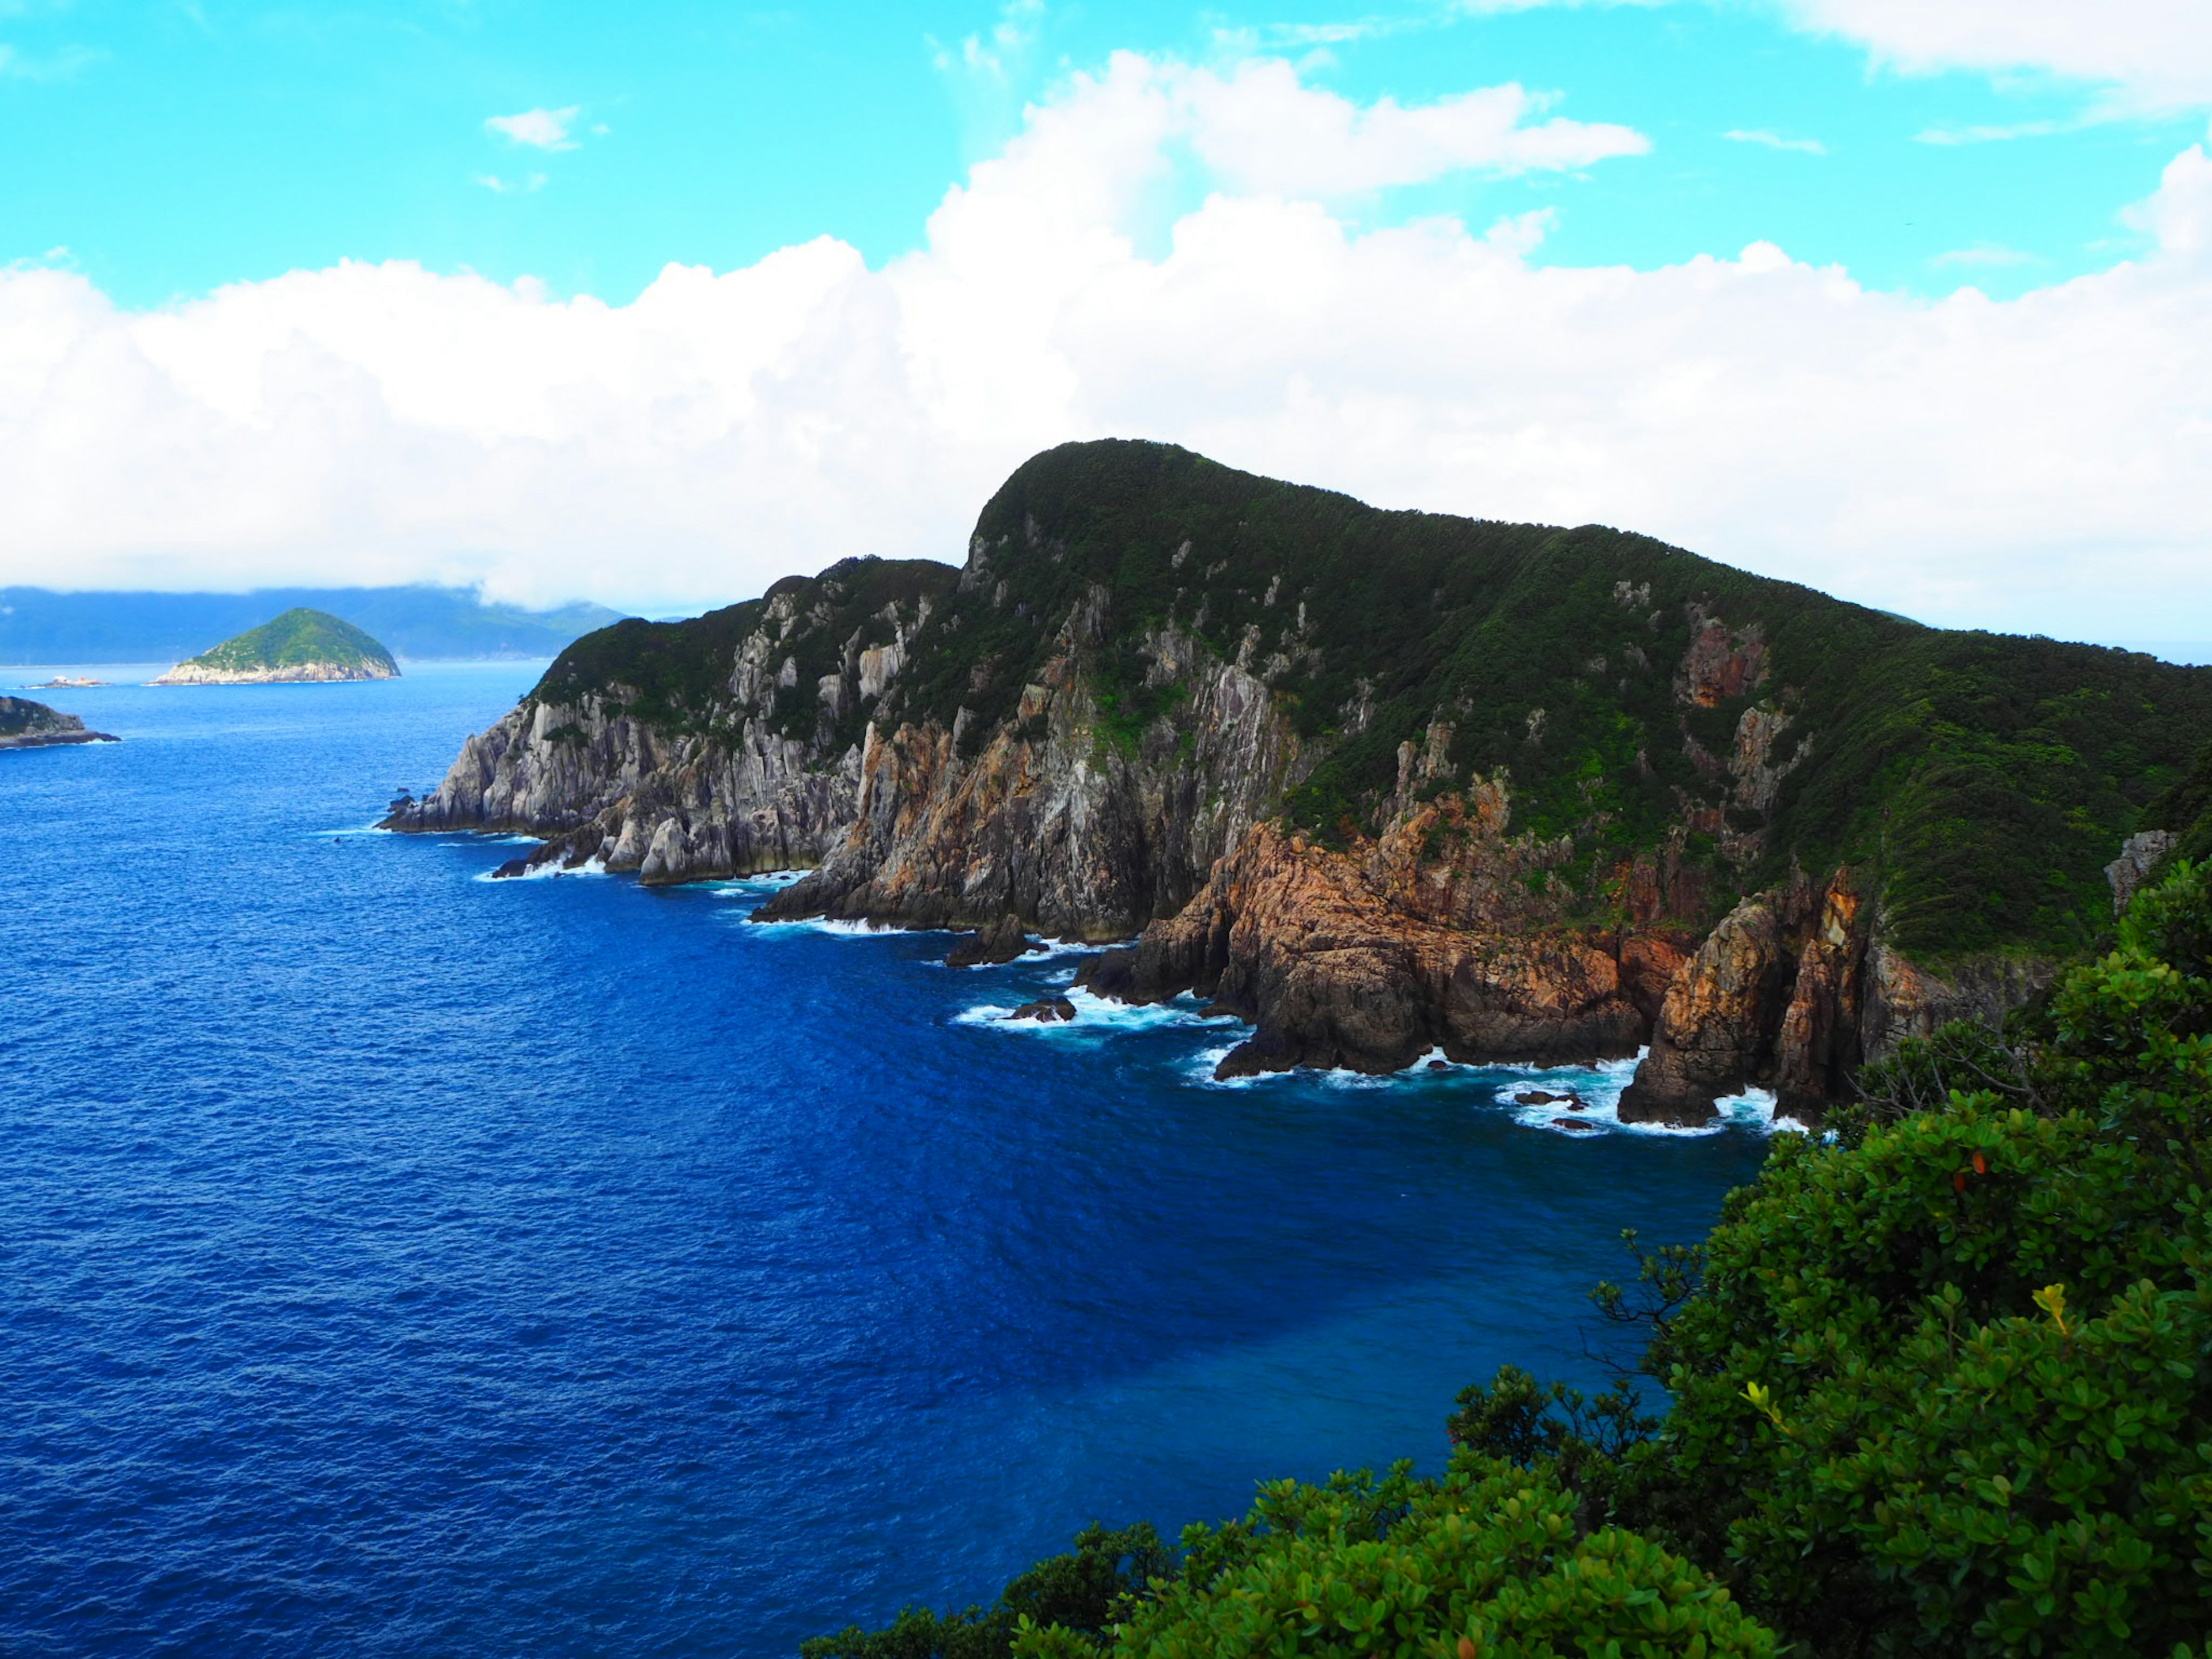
{"x": 39, "y": 626}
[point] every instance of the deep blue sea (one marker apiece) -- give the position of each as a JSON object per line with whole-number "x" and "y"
{"x": 398, "y": 1262}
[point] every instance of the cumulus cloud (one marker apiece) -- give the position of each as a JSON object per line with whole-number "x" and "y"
{"x": 1767, "y": 140}
{"x": 2153, "y": 54}
{"x": 1262, "y": 130}
{"x": 540, "y": 128}
{"x": 2037, "y": 463}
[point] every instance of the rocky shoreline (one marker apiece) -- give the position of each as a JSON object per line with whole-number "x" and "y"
{"x": 306, "y": 673}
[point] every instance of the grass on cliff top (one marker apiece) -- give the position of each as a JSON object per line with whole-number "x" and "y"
{"x": 295, "y": 639}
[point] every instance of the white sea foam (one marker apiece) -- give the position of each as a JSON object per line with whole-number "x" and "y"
{"x": 836, "y": 927}
{"x": 1096, "y": 1017}
{"x": 759, "y": 886}
{"x": 592, "y": 867}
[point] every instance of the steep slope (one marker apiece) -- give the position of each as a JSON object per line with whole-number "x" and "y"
{"x": 1377, "y": 781}
{"x": 300, "y": 644}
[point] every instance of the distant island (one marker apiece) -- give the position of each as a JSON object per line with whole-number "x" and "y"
{"x": 27, "y": 725}
{"x": 65, "y": 682}
{"x": 300, "y": 646}
{"x": 421, "y": 624}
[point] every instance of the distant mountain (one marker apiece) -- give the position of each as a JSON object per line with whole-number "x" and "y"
{"x": 301, "y": 645}
{"x": 38, "y": 625}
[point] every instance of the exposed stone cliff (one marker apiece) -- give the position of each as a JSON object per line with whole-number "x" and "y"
{"x": 1379, "y": 783}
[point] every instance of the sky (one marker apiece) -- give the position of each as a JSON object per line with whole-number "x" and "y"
{"x": 1909, "y": 300}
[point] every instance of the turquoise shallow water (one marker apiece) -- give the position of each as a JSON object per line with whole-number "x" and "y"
{"x": 393, "y": 1261}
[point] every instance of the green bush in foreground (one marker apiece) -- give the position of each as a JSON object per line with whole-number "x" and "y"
{"x": 1942, "y": 1385}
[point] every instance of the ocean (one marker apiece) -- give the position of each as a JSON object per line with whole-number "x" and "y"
{"x": 393, "y": 1261}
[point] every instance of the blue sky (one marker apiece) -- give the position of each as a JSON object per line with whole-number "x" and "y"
{"x": 1911, "y": 300}
{"x": 171, "y": 147}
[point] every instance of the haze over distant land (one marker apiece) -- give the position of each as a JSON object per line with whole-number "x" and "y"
{"x": 38, "y": 626}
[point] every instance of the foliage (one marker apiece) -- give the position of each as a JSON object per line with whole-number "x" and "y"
{"x": 1081, "y": 1594}
{"x": 298, "y": 637}
{"x": 2186, "y": 809}
{"x": 1488, "y": 1560}
{"x": 1950, "y": 1389}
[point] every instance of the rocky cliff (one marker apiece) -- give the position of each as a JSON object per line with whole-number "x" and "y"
{"x": 1379, "y": 783}
{"x": 27, "y": 725}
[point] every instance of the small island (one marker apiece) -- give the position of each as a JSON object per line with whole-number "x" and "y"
{"x": 65, "y": 682}
{"x": 27, "y": 725}
{"x": 300, "y": 646}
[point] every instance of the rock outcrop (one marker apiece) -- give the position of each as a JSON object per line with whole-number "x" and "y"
{"x": 1378, "y": 784}
{"x": 27, "y": 725}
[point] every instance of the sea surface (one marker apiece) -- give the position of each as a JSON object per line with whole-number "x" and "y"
{"x": 393, "y": 1261}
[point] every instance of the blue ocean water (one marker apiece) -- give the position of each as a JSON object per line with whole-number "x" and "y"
{"x": 398, "y": 1262}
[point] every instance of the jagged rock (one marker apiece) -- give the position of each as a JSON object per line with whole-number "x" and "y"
{"x": 1715, "y": 1028}
{"x": 1045, "y": 1010}
{"x": 1003, "y": 940}
{"x": 2139, "y": 855}
{"x": 1573, "y": 1102}
{"x": 1294, "y": 939}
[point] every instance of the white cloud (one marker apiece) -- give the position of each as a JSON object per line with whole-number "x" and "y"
{"x": 2154, "y": 54}
{"x": 1262, "y": 130}
{"x": 996, "y": 55}
{"x": 1987, "y": 254}
{"x": 2036, "y": 463}
{"x": 2005, "y": 133}
{"x": 540, "y": 128}
{"x": 522, "y": 187}
{"x": 1767, "y": 140}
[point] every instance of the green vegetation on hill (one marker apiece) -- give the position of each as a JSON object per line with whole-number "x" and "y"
{"x": 298, "y": 638}
{"x": 2186, "y": 810}
{"x": 1940, "y": 1387}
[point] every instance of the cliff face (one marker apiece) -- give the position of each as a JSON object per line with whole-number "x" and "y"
{"x": 696, "y": 751}
{"x": 1378, "y": 782}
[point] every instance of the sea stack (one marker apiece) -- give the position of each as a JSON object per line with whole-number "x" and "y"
{"x": 27, "y": 725}
{"x": 301, "y": 645}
